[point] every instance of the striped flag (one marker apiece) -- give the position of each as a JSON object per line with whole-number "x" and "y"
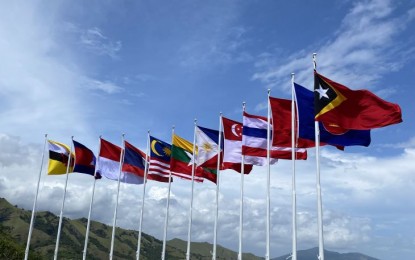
{"x": 159, "y": 163}
{"x": 254, "y": 143}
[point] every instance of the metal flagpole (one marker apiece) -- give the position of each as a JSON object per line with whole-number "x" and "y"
{"x": 55, "y": 256}
{"x": 118, "y": 193}
{"x": 319, "y": 201}
{"x": 267, "y": 255}
{"x": 144, "y": 194}
{"x": 32, "y": 219}
{"x": 166, "y": 218}
{"x": 215, "y": 230}
{"x": 293, "y": 147}
{"x": 189, "y": 233}
{"x": 90, "y": 204}
{"x": 241, "y": 206}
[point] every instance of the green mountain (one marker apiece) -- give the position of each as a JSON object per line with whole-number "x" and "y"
{"x": 14, "y": 226}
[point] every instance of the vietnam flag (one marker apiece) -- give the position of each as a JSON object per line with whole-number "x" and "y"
{"x": 338, "y": 106}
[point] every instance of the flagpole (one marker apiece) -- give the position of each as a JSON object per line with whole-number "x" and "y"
{"x": 294, "y": 199}
{"x": 166, "y": 218}
{"x": 90, "y": 204}
{"x": 215, "y": 230}
{"x": 32, "y": 219}
{"x": 319, "y": 200}
{"x": 267, "y": 254}
{"x": 118, "y": 193}
{"x": 241, "y": 206}
{"x": 189, "y": 235}
{"x": 55, "y": 256}
{"x": 144, "y": 194}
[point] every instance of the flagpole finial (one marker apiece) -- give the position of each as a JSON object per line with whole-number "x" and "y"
{"x": 72, "y": 137}
{"x": 243, "y": 105}
{"x": 46, "y": 135}
{"x": 148, "y": 131}
{"x": 314, "y": 60}
{"x": 220, "y": 113}
{"x": 292, "y": 74}
{"x": 173, "y": 127}
{"x": 269, "y": 92}
{"x": 195, "y": 120}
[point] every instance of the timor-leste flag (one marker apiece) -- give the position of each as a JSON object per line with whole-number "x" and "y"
{"x": 59, "y": 158}
{"x": 338, "y": 106}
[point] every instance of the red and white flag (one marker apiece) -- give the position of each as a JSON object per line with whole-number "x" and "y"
{"x": 232, "y": 146}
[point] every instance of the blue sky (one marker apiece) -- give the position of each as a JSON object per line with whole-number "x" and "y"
{"x": 110, "y": 67}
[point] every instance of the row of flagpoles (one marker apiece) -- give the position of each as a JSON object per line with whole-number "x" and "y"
{"x": 331, "y": 114}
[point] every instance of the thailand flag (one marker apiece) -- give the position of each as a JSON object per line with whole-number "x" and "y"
{"x": 254, "y": 143}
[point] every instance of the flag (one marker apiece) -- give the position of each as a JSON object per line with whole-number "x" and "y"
{"x": 182, "y": 159}
{"x": 281, "y": 124}
{"x": 207, "y": 147}
{"x": 305, "y": 104}
{"x": 58, "y": 158}
{"x": 338, "y": 106}
{"x": 159, "y": 159}
{"x": 134, "y": 161}
{"x": 232, "y": 146}
{"x": 109, "y": 160}
{"x": 254, "y": 143}
{"x": 84, "y": 160}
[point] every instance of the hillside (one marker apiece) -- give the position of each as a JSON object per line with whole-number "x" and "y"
{"x": 311, "y": 254}
{"x": 15, "y": 224}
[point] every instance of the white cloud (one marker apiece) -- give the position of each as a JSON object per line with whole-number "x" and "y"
{"x": 365, "y": 44}
{"x": 94, "y": 40}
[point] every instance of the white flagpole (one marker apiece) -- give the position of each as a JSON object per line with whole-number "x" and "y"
{"x": 144, "y": 194}
{"x": 32, "y": 219}
{"x": 189, "y": 233}
{"x": 215, "y": 230}
{"x": 90, "y": 204}
{"x": 319, "y": 200}
{"x": 294, "y": 199}
{"x": 166, "y": 218}
{"x": 55, "y": 256}
{"x": 118, "y": 193}
{"x": 267, "y": 254}
{"x": 241, "y": 206}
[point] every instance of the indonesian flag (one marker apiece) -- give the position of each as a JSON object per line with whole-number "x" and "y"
{"x": 109, "y": 164}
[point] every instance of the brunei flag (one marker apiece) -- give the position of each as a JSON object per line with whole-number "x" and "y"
{"x": 58, "y": 158}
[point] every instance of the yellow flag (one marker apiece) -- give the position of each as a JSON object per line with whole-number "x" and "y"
{"x": 58, "y": 158}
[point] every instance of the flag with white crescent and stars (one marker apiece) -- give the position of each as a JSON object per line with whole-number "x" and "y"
{"x": 232, "y": 146}
{"x": 159, "y": 163}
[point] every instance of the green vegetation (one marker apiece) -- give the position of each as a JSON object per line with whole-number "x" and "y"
{"x": 14, "y": 226}
{"x": 14, "y": 223}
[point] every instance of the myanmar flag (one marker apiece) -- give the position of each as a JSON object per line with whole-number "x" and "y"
{"x": 182, "y": 159}
{"x": 58, "y": 158}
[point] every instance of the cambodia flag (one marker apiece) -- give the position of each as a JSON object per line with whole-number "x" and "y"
{"x": 84, "y": 160}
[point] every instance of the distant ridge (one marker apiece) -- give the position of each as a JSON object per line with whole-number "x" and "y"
{"x": 312, "y": 253}
{"x": 14, "y": 226}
